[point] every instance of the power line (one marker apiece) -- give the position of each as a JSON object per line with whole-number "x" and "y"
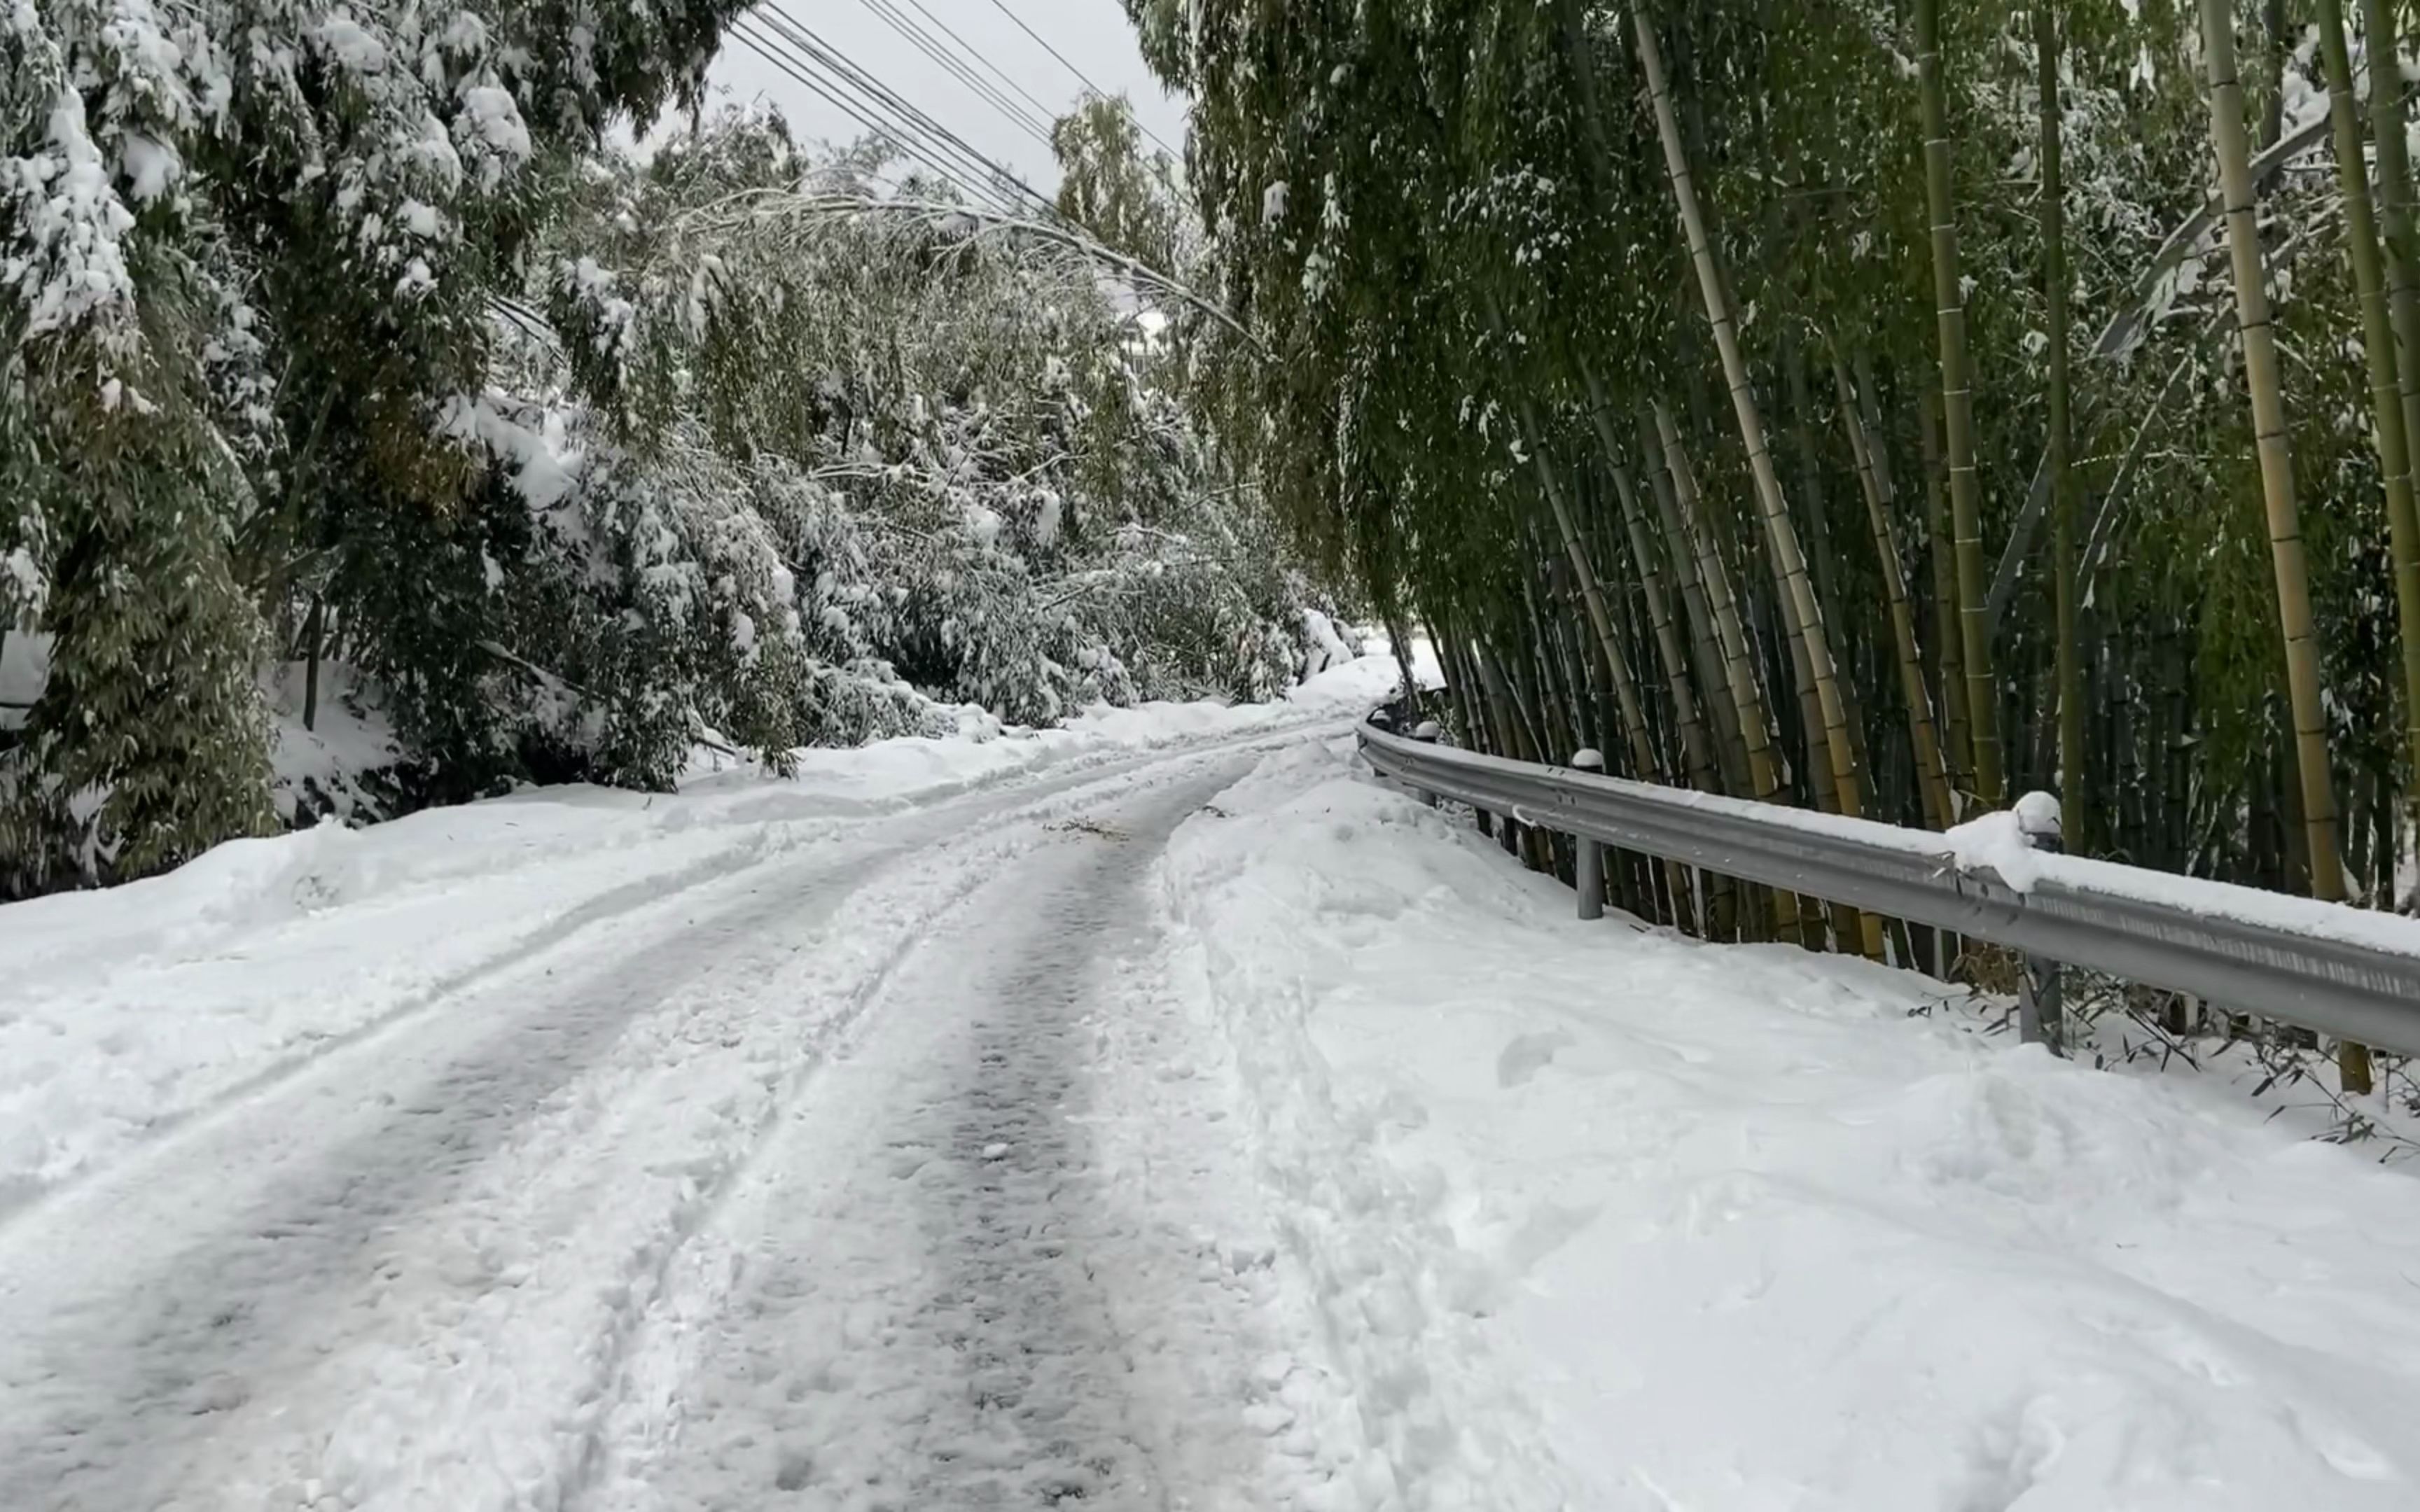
{"x": 924, "y": 42}
{"x": 889, "y": 130}
{"x": 960, "y": 61}
{"x": 1001, "y": 6}
{"x": 908, "y": 141}
{"x": 906, "y": 121}
{"x": 865, "y": 81}
{"x": 739, "y": 30}
{"x": 1045, "y": 111}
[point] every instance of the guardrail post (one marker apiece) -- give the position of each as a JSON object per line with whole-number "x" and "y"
{"x": 1589, "y": 874}
{"x": 1426, "y": 732}
{"x": 2042, "y": 1017}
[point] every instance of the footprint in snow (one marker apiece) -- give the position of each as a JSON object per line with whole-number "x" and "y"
{"x": 1527, "y": 1054}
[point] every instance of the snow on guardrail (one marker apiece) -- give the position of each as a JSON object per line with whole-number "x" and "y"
{"x": 2327, "y": 966}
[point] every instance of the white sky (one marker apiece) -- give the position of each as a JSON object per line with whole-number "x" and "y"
{"x": 1094, "y": 35}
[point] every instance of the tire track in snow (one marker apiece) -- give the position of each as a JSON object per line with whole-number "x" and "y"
{"x": 778, "y": 827}
{"x": 1010, "y": 1206}
{"x": 612, "y": 906}
{"x": 932, "y": 1294}
{"x": 106, "y": 1380}
{"x": 180, "y": 1310}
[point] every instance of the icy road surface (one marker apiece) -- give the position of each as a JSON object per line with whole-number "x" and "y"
{"x": 870, "y": 1176}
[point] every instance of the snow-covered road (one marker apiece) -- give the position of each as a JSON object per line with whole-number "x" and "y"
{"x": 1183, "y": 1121}
{"x": 985, "y": 1266}
{"x": 664, "y": 1215}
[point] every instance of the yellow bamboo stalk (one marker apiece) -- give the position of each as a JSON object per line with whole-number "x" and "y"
{"x": 1958, "y": 411}
{"x": 1781, "y": 537}
{"x": 1932, "y": 772}
{"x": 2261, "y": 372}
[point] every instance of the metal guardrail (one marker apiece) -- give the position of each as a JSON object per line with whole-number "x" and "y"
{"x": 2232, "y": 958}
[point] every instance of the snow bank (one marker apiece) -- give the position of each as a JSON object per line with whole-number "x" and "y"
{"x": 1600, "y": 1217}
{"x": 126, "y": 1010}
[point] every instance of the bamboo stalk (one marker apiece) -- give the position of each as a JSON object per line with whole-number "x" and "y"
{"x": 1932, "y": 773}
{"x": 2400, "y": 246}
{"x": 2399, "y": 234}
{"x": 1696, "y": 748}
{"x": 1861, "y": 370}
{"x": 1694, "y": 744}
{"x": 1958, "y": 410}
{"x": 1559, "y": 708}
{"x": 1537, "y": 842}
{"x": 1958, "y": 752}
{"x": 1457, "y": 691}
{"x": 2068, "y": 667}
{"x": 1706, "y": 653}
{"x": 2260, "y": 371}
{"x": 1625, "y": 691}
{"x": 1810, "y": 500}
{"x": 2386, "y": 404}
{"x": 1739, "y": 665}
{"x": 1781, "y": 537}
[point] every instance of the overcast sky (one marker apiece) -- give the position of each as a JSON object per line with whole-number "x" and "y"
{"x": 1094, "y": 35}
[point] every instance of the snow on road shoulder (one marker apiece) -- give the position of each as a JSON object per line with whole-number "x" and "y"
{"x": 124, "y": 1010}
{"x": 917, "y": 770}
{"x": 1602, "y": 1214}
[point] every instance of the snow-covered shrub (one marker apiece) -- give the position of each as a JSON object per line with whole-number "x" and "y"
{"x": 246, "y": 253}
{"x": 597, "y": 609}
{"x": 327, "y": 337}
{"x": 1009, "y": 506}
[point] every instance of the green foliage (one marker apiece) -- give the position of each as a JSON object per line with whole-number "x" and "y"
{"x": 146, "y": 743}
{"x": 1128, "y": 198}
{"x": 335, "y": 335}
{"x": 248, "y": 250}
{"x": 1436, "y": 216}
{"x": 1002, "y": 493}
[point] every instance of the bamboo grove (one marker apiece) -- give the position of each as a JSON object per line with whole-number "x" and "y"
{"x": 1889, "y": 406}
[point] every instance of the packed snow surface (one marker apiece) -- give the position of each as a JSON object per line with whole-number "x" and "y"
{"x": 126, "y": 1010}
{"x": 1009, "y": 1254}
{"x": 411, "y": 1167}
{"x": 1598, "y": 1217}
{"x": 1164, "y": 1117}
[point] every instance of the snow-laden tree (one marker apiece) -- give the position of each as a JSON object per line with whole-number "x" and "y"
{"x": 246, "y": 256}
{"x": 130, "y": 390}
{"x": 334, "y": 333}
{"x": 1005, "y": 497}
